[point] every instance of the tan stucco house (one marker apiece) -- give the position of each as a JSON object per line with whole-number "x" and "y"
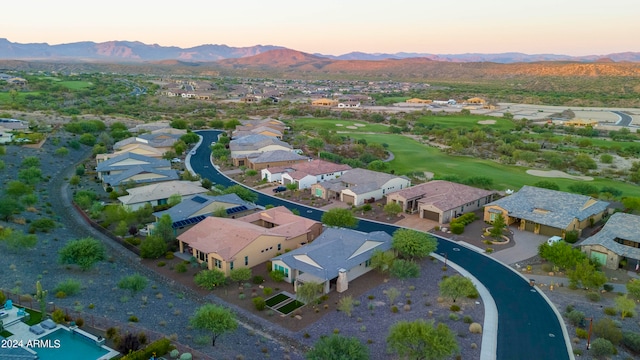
{"x": 547, "y": 212}
{"x": 441, "y": 200}
{"x": 226, "y": 244}
{"x": 617, "y": 244}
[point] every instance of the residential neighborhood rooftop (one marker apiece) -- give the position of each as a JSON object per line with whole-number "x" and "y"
{"x": 622, "y": 226}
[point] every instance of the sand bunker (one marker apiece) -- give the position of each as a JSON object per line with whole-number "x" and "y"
{"x": 339, "y": 125}
{"x": 486, "y": 122}
{"x": 352, "y": 127}
{"x": 359, "y": 125}
{"x": 557, "y": 174}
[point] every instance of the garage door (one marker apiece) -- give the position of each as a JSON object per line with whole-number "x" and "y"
{"x": 431, "y": 215}
{"x": 286, "y": 181}
{"x": 600, "y": 258}
{"x": 550, "y": 231}
{"x": 349, "y": 199}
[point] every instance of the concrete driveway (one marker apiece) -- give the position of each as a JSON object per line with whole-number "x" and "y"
{"x": 526, "y": 246}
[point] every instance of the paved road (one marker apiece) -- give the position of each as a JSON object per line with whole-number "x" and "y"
{"x": 625, "y": 120}
{"x": 529, "y": 327}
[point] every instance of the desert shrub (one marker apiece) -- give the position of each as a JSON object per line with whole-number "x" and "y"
{"x": 575, "y": 317}
{"x": 257, "y": 279}
{"x": 607, "y": 329}
{"x": 161, "y": 263}
{"x": 133, "y": 318}
{"x": 581, "y": 333}
{"x": 169, "y": 255}
{"x": 475, "y": 328}
{"x": 631, "y": 340}
{"x": 394, "y": 309}
{"x": 454, "y": 317}
{"x": 159, "y": 347}
{"x": 602, "y": 347}
{"x": 61, "y": 295}
{"x": 69, "y": 287}
{"x": 404, "y": 269}
{"x": 58, "y": 316}
{"x": 209, "y": 279}
{"x": 181, "y": 268}
{"x": 454, "y": 307}
{"x": 571, "y": 236}
{"x": 79, "y": 322}
{"x": 277, "y": 275}
{"x": 546, "y": 267}
{"x": 593, "y": 296}
{"x": 259, "y": 303}
{"x": 267, "y": 291}
{"x": 111, "y": 333}
{"x": 607, "y": 287}
{"x": 457, "y": 228}
{"x": 133, "y": 241}
{"x": 569, "y": 308}
{"x": 610, "y": 311}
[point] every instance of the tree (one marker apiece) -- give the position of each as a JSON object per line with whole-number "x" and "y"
{"x": 392, "y": 209}
{"x": 633, "y": 288}
{"x": 240, "y": 275}
{"x": 315, "y": 144}
{"x": 215, "y": 319}
{"x": 586, "y": 274}
{"x": 378, "y": 165}
{"x": 339, "y": 217}
{"x": 382, "y": 260}
{"x": 457, "y": 286}
{"x": 422, "y": 340}
{"x": 84, "y": 252}
{"x": 392, "y": 294}
{"x": 134, "y": 283}
{"x": 242, "y": 192}
{"x": 209, "y": 279}
{"x": 30, "y": 176}
{"x": 497, "y": 226}
{"x": 153, "y": 247}
{"x": 413, "y": 244}
{"x": 164, "y": 229}
{"x": 626, "y": 306}
{"x": 30, "y": 161}
{"x": 8, "y": 207}
{"x": 336, "y": 347}
{"x": 561, "y": 254}
{"x": 17, "y": 188}
{"x": 174, "y": 199}
{"x": 602, "y": 347}
{"x": 631, "y": 203}
{"x": 309, "y": 291}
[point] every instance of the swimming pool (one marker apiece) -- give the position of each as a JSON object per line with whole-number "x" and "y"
{"x": 72, "y": 346}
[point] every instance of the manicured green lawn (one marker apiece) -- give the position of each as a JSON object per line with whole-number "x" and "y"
{"x": 411, "y": 156}
{"x": 275, "y": 300}
{"x": 35, "y": 317}
{"x": 289, "y": 307}
{"x": 330, "y": 124}
{"x": 466, "y": 121}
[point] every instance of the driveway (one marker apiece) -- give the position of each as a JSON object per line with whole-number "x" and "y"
{"x": 526, "y": 247}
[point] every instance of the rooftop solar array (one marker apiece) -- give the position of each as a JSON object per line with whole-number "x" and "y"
{"x": 236, "y": 209}
{"x": 199, "y": 199}
{"x": 189, "y": 221}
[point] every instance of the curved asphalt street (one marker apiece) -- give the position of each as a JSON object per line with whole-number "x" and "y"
{"x": 625, "y": 120}
{"x": 528, "y": 326}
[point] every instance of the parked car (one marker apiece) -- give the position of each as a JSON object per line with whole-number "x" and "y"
{"x": 176, "y": 160}
{"x": 279, "y": 189}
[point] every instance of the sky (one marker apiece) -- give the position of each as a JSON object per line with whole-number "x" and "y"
{"x": 332, "y": 27}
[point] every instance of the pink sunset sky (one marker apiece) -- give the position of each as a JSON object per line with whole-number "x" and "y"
{"x": 571, "y": 27}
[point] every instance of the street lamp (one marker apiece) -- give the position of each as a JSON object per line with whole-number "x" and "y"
{"x": 589, "y": 335}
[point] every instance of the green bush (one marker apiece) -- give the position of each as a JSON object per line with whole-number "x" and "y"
{"x": 209, "y": 279}
{"x": 181, "y": 268}
{"x": 631, "y": 340}
{"x": 575, "y": 317}
{"x": 607, "y": 287}
{"x": 159, "y": 347}
{"x": 465, "y": 219}
{"x": 571, "y": 236}
{"x": 133, "y": 318}
{"x": 58, "y": 316}
{"x": 69, "y": 287}
{"x": 610, "y": 311}
{"x": 602, "y": 347}
{"x": 607, "y": 329}
{"x": 267, "y": 291}
{"x": 457, "y": 228}
{"x": 257, "y": 279}
{"x": 467, "y": 319}
{"x": 454, "y": 307}
{"x": 581, "y": 333}
{"x": 259, "y": 303}
{"x": 454, "y": 317}
{"x": 277, "y": 275}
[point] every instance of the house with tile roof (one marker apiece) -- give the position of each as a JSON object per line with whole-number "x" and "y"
{"x": 547, "y": 212}
{"x": 192, "y": 210}
{"x": 253, "y": 145}
{"x": 136, "y": 148}
{"x": 440, "y": 200}
{"x": 159, "y": 193}
{"x": 617, "y": 244}
{"x": 226, "y": 244}
{"x": 276, "y": 158}
{"x": 335, "y": 258}
{"x": 134, "y": 169}
{"x": 359, "y": 185}
{"x": 160, "y": 140}
{"x": 306, "y": 173}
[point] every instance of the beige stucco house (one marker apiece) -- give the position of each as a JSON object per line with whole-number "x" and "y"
{"x": 226, "y": 244}
{"x": 617, "y": 244}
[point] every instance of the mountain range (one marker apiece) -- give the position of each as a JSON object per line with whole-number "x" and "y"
{"x": 134, "y": 51}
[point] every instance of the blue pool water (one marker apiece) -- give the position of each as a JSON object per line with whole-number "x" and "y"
{"x": 72, "y": 346}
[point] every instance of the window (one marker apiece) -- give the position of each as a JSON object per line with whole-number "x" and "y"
{"x": 492, "y": 217}
{"x": 367, "y": 263}
{"x": 283, "y": 269}
{"x": 231, "y": 265}
{"x": 217, "y": 263}
{"x": 279, "y": 247}
{"x": 246, "y": 260}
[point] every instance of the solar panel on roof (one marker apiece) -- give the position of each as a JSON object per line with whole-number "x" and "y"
{"x": 236, "y": 209}
{"x": 199, "y": 199}
{"x": 189, "y": 221}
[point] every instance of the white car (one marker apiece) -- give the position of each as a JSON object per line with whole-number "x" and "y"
{"x": 176, "y": 160}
